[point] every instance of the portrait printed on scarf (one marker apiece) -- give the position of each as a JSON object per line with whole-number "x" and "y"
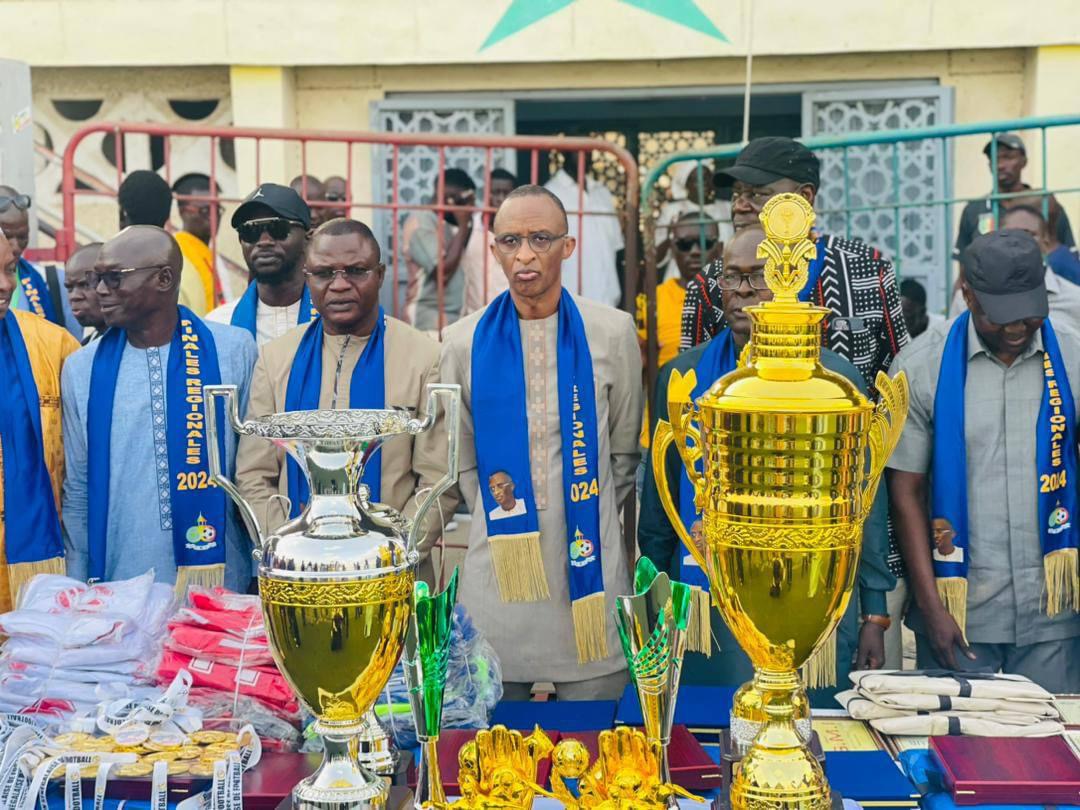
{"x": 501, "y": 486}
{"x": 944, "y": 548}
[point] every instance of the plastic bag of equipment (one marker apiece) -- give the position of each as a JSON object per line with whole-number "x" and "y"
{"x": 473, "y": 686}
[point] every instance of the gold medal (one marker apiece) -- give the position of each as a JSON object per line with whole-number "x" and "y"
{"x": 134, "y": 770}
{"x": 208, "y": 737}
{"x": 177, "y": 767}
{"x": 151, "y": 745}
{"x": 202, "y": 769}
{"x": 161, "y": 756}
{"x": 189, "y": 752}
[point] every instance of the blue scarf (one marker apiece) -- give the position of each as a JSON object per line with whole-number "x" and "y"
{"x": 813, "y": 271}
{"x": 31, "y": 521}
{"x": 198, "y": 506}
{"x": 502, "y": 452}
{"x": 367, "y": 389}
{"x": 716, "y": 361}
{"x": 36, "y": 291}
{"x": 244, "y": 313}
{"x": 1055, "y": 466}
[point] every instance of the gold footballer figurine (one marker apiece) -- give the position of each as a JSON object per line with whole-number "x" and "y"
{"x": 625, "y": 776}
{"x": 497, "y": 770}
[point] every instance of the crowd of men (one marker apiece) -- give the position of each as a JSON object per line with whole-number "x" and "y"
{"x": 981, "y": 557}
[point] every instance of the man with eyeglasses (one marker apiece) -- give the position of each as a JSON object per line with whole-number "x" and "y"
{"x": 84, "y": 301}
{"x": 352, "y": 355}
{"x": 850, "y": 278}
{"x": 742, "y": 285}
{"x": 273, "y": 224}
{"x": 34, "y": 292}
{"x": 32, "y": 354}
{"x": 137, "y": 490}
{"x": 695, "y": 242}
{"x": 200, "y": 217}
{"x": 551, "y": 385}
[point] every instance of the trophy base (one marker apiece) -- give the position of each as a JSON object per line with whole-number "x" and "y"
{"x": 723, "y": 801}
{"x": 341, "y": 782}
{"x": 732, "y": 752}
{"x": 400, "y": 798}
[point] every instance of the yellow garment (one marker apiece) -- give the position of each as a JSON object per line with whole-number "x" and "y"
{"x": 47, "y": 346}
{"x": 669, "y": 304}
{"x": 198, "y": 263}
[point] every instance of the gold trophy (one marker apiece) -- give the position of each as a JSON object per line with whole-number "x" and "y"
{"x": 791, "y": 457}
{"x": 337, "y": 581}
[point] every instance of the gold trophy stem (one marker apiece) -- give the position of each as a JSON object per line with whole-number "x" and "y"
{"x": 436, "y": 796}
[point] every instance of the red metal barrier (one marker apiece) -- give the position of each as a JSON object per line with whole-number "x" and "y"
{"x": 355, "y": 205}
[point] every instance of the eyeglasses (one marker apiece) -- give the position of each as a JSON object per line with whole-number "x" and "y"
{"x": 20, "y": 201}
{"x": 510, "y": 243}
{"x": 730, "y": 280}
{"x": 252, "y": 230}
{"x": 112, "y": 278}
{"x": 686, "y": 245}
{"x": 352, "y": 275}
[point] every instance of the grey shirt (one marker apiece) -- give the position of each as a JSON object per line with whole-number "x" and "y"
{"x": 1005, "y": 603}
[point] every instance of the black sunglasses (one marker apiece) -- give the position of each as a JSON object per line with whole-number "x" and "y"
{"x": 686, "y": 245}
{"x": 20, "y": 201}
{"x": 252, "y": 230}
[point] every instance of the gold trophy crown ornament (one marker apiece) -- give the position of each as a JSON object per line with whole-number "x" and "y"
{"x": 790, "y": 455}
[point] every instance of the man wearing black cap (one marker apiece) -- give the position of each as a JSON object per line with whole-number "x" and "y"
{"x": 983, "y": 482}
{"x": 979, "y": 215}
{"x": 850, "y": 278}
{"x": 273, "y": 225}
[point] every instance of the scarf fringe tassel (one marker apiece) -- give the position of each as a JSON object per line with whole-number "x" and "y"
{"x": 590, "y": 630}
{"x": 519, "y": 568}
{"x": 1062, "y": 581}
{"x": 953, "y": 592}
{"x": 205, "y": 576}
{"x": 21, "y": 573}
{"x": 699, "y": 629}
{"x": 819, "y": 671}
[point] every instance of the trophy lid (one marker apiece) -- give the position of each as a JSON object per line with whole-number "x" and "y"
{"x": 780, "y": 368}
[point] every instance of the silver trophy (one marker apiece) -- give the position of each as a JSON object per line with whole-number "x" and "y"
{"x": 337, "y": 581}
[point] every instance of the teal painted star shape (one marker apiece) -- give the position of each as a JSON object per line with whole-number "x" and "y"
{"x": 523, "y": 13}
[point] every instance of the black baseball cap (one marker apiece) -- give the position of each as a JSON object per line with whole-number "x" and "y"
{"x": 766, "y": 160}
{"x": 282, "y": 200}
{"x": 1010, "y": 140}
{"x": 1005, "y": 271}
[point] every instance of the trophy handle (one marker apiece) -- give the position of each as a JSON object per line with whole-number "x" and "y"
{"x": 886, "y": 424}
{"x": 452, "y": 392}
{"x": 232, "y": 413}
{"x": 661, "y": 441}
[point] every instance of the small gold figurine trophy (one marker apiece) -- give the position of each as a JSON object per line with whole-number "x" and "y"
{"x": 791, "y": 455}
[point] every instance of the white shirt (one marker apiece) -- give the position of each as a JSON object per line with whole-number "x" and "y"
{"x": 602, "y": 237}
{"x": 270, "y": 322}
{"x": 498, "y": 512}
{"x": 1063, "y": 298}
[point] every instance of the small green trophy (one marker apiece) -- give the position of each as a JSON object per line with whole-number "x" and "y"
{"x": 652, "y": 625}
{"x": 427, "y": 651}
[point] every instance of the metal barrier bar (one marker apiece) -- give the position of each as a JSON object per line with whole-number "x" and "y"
{"x": 534, "y": 145}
